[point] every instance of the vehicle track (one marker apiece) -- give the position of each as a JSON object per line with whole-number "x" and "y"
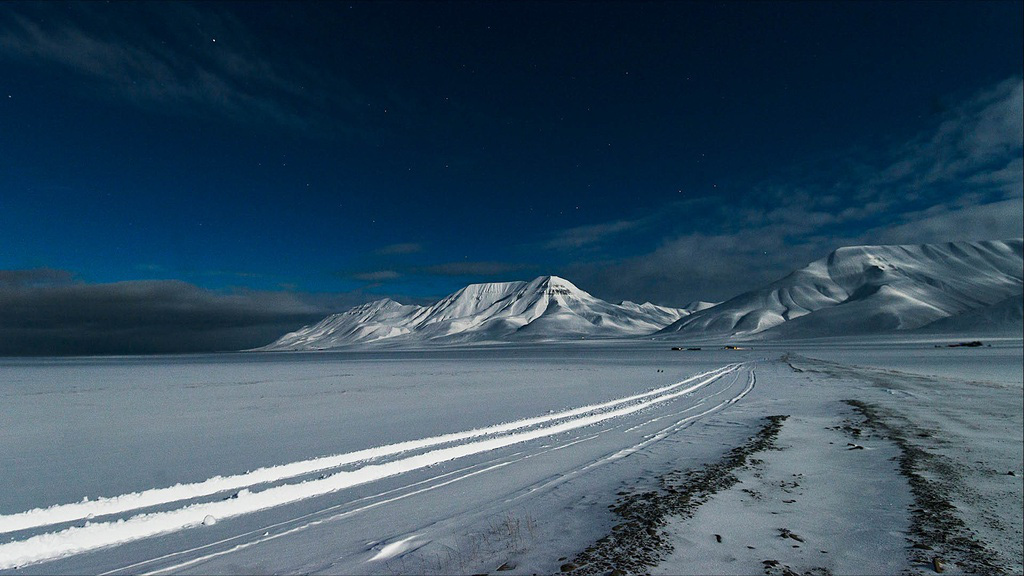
{"x": 340, "y": 472}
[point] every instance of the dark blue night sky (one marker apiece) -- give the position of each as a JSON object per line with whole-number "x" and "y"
{"x": 238, "y": 169}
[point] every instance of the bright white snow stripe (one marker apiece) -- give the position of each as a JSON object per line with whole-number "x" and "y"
{"x": 459, "y": 474}
{"x": 77, "y": 539}
{"x": 132, "y": 501}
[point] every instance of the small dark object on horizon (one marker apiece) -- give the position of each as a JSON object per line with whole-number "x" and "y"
{"x": 973, "y": 344}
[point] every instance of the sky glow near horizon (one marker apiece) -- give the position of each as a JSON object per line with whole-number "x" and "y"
{"x": 220, "y": 173}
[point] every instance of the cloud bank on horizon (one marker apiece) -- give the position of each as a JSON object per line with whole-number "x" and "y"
{"x": 49, "y": 312}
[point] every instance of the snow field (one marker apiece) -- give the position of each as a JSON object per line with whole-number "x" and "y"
{"x": 853, "y": 526}
{"x": 127, "y": 502}
{"x": 94, "y": 535}
{"x": 969, "y": 423}
{"x": 569, "y": 428}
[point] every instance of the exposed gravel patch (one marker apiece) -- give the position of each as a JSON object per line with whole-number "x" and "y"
{"x": 937, "y": 535}
{"x": 639, "y": 542}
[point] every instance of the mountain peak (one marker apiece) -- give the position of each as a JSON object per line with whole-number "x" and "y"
{"x": 554, "y": 285}
{"x": 546, "y": 308}
{"x": 556, "y": 280}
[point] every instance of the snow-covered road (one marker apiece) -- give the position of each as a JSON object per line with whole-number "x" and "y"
{"x": 242, "y": 517}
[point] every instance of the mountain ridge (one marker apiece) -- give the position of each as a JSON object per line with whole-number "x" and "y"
{"x": 853, "y": 290}
{"x": 545, "y": 308}
{"x": 868, "y": 289}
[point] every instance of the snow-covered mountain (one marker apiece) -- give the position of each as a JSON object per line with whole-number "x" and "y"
{"x": 952, "y": 287}
{"x": 869, "y": 289}
{"x": 546, "y": 308}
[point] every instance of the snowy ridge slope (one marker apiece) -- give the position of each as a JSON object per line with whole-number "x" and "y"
{"x": 367, "y": 322}
{"x": 1003, "y": 317}
{"x": 869, "y": 289}
{"x": 669, "y": 315}
{"x": 546, "y": 308}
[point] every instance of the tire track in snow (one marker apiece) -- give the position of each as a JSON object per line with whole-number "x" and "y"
{"x": 326, "y": 515}
{"x": 735, "y": 379}
{"x": 650, "y": 438}
{"x": 300, "y": 526}
{"x": 483, "y": 468}
{"x": 63, "y": 513}
{"x": 330, "y": 513}
{"x": 79, "y": 539}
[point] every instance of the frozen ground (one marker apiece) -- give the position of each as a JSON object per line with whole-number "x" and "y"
{"x": 467, "y": 460}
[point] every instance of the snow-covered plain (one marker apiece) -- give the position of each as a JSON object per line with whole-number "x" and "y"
{"x": 464, "y": 460}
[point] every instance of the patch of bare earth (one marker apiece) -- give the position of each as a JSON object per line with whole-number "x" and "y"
{"x": 638, "y": 542}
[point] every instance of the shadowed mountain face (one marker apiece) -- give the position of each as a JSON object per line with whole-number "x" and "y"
{"x": 869, "y": 289}
{"x": 1005, "y": 317}
{"x": 546, "y": 308}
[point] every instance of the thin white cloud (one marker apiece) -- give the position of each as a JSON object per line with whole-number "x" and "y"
{"x": 401, "y": 248}
{"x": 960, "y": 180}
{"x": 377, "y": 275}
{"x": 977, "y": 137}
{"x": 182, "y": 59}
{"x": 1008, "y": 179}
{"x": 694, "y": 267}
{"x": 595, "y": 236}
{"x": 583, "y": 236}
{"x": 997, "y": 220}
{"x": 464, "y": 268}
